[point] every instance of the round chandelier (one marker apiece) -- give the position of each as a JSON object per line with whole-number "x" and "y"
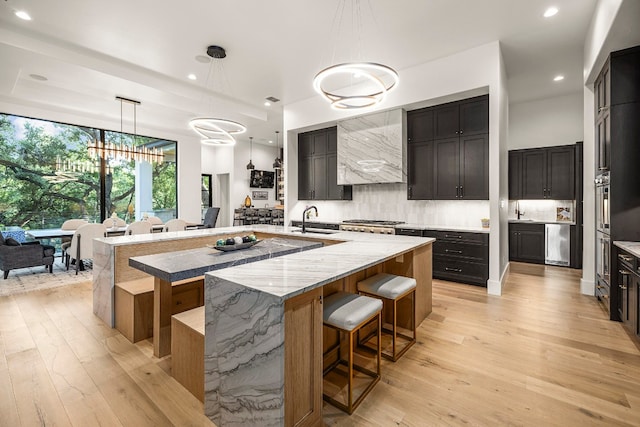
{"x": 216, "y": 131}
{"x": 356, "y": 84}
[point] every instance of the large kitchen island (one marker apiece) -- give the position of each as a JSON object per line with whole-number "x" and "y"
{"x": 263, "y": 320}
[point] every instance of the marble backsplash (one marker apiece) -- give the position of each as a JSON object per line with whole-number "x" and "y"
{"x": 541, "y": 210}
{"x": 389, "y": 202}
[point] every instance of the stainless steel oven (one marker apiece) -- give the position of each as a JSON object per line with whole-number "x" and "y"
{"x": 603, "y": 257}
{"x": 602, "y": 203}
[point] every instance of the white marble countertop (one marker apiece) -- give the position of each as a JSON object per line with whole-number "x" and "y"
{"x": 443, "y": 228}
{"x": 632, "y": 247}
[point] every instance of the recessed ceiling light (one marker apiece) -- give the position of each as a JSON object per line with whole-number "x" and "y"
{"x": 550, "y": 12}
{"x": 38, "y": 77}
{"x": 23, "y": 15}
{"x": 270, "y": 142}
{"x": 191, "y": 76}
{"x": 558, "y": 78}
{"x": 267, "y": 104}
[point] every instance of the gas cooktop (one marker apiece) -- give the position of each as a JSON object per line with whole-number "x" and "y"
{"x": 371, "y": 222}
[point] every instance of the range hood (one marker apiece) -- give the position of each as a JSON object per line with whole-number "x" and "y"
{"x": 372, "y": 149}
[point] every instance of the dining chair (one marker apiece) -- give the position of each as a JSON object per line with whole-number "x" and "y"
{"x": 119, "y": 222}
{"x": 210, "y": 218}
{"x": 82, "y": 243}
{"x": 175, "y": 225}
{"x": 154, "y": 220}
{"x": 138, "y": 227}
{"x": 70, "y": 224}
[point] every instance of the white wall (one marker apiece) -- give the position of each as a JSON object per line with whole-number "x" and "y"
{"x": 472, "y": 72}
{"x": 262, "y": 158}
{"x": 546, "y": 122}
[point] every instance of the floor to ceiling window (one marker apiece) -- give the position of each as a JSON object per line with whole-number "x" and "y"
{"x": 47, "y": 175}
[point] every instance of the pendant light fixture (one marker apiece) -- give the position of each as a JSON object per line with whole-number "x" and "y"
{"x": 110, "y": 150}
{"x": 358, "y": 84}
{"x": 277, "y": 164}
{"x": 250, "y": 164}
{"x": 213, "y": 130}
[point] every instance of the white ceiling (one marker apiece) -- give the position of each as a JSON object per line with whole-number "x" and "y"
{"x": 91, "y": 51}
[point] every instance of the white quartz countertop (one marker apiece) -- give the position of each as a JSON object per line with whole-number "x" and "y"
{"x": 443, "y": 228}
{"x": 632, "y": 247}
{"x": 533, "y": 221}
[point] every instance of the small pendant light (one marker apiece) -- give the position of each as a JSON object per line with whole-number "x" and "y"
{"x": 277, "y": 164}
{"x": 250, "y": 164}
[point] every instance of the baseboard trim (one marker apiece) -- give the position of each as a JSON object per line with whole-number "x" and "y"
{"x": 587, "y": 287}
{"x": 494, "y": 287}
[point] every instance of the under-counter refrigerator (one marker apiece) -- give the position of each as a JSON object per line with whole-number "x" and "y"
{"x": 557, "y": 238}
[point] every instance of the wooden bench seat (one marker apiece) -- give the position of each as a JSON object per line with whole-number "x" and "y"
{"x": 134, "y": 304}
{"x": 187, "y": 350}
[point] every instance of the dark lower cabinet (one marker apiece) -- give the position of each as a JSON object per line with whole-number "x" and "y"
{"x": 628, "y": 281}
{"x": 460, "y": 256}
{"x": 526, "y": 243}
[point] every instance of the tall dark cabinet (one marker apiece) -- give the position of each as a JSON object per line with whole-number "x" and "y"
{"x": 448, "y": 148}
{"x": 318, "y": 166}
{"x": 617, "y": 136}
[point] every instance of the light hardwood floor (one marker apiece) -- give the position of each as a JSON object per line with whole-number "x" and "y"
{"x": 542, "y": 354}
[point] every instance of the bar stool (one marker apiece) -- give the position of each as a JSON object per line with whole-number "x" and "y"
{"x": 347, "y": 313}
{"x": 391, "y": 289}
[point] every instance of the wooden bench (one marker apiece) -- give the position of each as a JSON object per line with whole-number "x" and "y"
{"x": 187, "y": 350}
{"x": 134, "y": 304}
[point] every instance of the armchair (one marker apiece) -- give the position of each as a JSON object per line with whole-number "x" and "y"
{"x": 25, "y": 255}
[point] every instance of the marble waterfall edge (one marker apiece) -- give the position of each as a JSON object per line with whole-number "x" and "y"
{"x": 372, "y": 149}
{"x": 244, "y": 355}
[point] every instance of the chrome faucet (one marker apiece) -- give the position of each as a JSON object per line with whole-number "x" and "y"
{"x": 304, "y": 215}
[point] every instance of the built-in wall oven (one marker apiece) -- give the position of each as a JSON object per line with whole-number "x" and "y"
{"x": 602, "y": 203}
{"x": 603, "y": 241}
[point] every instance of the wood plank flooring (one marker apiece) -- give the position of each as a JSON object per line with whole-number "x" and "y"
{"x": 540, "y": 355}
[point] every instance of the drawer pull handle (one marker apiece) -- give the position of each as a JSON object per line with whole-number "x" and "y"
{"x": 624, "y": 272}
{"x": 625, "y": 258}
{"x": 599, "y": 287}
{"x": 624, "y": 288}
{"x": 457, "y": 270}
{"x": 452, "y": 251}
{"x": 451, "y": 235}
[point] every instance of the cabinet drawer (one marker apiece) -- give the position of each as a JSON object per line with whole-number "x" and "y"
{"x": 409, "y": 232}
{"x": 187, "y": 296}
{"x": 466, "y": 250}
{"x": 458, "y": 236}
{"x": 460, "y": 271}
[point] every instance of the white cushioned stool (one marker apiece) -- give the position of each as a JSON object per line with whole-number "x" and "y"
{"x": 347, "y": 313}
{"x": 391, "y": 289}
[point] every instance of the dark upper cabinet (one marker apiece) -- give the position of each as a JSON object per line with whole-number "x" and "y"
{"x": 420, "y": 125}
{"x": 526, "y": 243}
{"x": 545, "y": 173}
{"x": 317, "y": 167}
{"x": 515, "y": 175}
{"x": 474, "y": 116}
{"x": 448, "y": 151}
{"x": 602, "y": 92}
{"x": 420, "y": 176}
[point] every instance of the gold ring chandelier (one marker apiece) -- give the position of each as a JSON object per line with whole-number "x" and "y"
{"x": 216, "y": 131}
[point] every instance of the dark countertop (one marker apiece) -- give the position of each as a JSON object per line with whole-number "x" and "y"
{"x": 174, "y": 266}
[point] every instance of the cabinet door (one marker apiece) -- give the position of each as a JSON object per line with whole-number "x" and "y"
{"x": 305, "y": 144}
{"x": 320, "y": 181}
{"x": 531, "y": 245}
{"x": 446, "y": 121}
{"x": 305, "y": 178}
{"x": 603, "y": 143}
{"x": 474, "y": 167}
{"x": 513, "y": 244}
{"x": 420, "y": 176}
{"x": 446, "y": 154}
{"x": 474, "y": 116}
{"x": 332, "y": 140}
{"x": 560, "y": 173}
{"x": 634, "y": 301}
{"x": 515, "y": 175}
{"x": 420, "y": 125}
{"x": 534, "y": 174}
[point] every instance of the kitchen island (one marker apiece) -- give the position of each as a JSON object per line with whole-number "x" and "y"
{"x": 263, "y": 321}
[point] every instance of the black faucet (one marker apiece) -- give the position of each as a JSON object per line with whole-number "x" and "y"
{"x": 304, "y": 215}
